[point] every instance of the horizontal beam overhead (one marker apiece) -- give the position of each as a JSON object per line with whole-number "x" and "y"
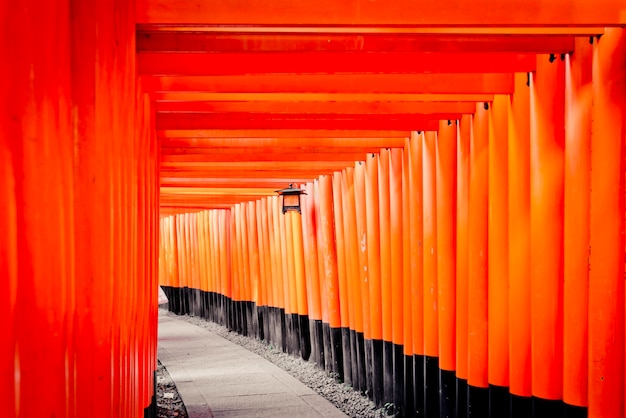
{"x": 162, "y": 41}
{"x": 321, "y": 107}
{"x": 281, "y": 144}
{"x": 177, "y": 96}
{"x": 442, "y": 13}
{"x": 198, "y": 200}
{"x": 310, "y": 173}
{"x": 199, "y": 64}
{"x": 353, "y": 83}
{"x": 281, "y": 133}
{"x": 209, "y": 155}
{"x": 193, "y": 121}
{"x": 228, "y": 167}
{"x": 277, "y": 183}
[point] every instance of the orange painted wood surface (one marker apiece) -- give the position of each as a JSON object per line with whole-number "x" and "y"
{"x": 384, "y": 215}
{"x": 353, "y": 249}
{"x": 160, "y": 39}
{"x": 329, "y": 251}
{"x": 464, "y": 130}
{"x": 416, "y": 247}
{"x": 606, "y": 245}
{"x": 429, "y": 292}
{"x": 445, "y": 175}
{"x": 373, "y": 246}
{"x": 407, "y": 334}
{"x": 519, "y": 240}
{"x": 339, "y": 83}
{"x": 477, "y": 305}
{"x": 546, "y": 227}
{"x": 498, "y": 244}
{"x": 363, "y": 245}
{"x": 362, "y": 13}
{"x": 396, "y": 205}
{"x": 227, "y": 63}
{"x": 576, "y": 223}
{"x": 341, "y": 250}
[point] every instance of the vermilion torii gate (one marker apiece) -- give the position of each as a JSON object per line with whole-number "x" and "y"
{"x": 460, "y": 250}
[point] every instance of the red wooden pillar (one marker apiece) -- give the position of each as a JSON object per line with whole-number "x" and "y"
{"x": 546, "y": 231}
{"x": 363, "y": 243}
{"x": 354, "y": 269}
{"x": 462, "y": 256}
{"x": 576, "y": 222}
{"x": 445, "y": 171}
{"x": 342, "y": 271}
{"x": 330, "y": 275}
{"x": 430, "y": 293}
{"x": 397, "y": 273}
{"x": 416, "y": 226}
{"x": 498, "y": 258}
{"x": 36, "y": 220}
{"x": 606, "y": 256}
{"x": 477, "y": 268}
{"x": 385, "y": 272}
{"x": 70, "y": 218}
{"x": 309, "y": 231}
{"x": 406, "y": 264}
{"x": 373, "y": 274}
{"x": 246, "y": 268}
{"x": 253, "y": 250}
{"x": 519, "y": 244}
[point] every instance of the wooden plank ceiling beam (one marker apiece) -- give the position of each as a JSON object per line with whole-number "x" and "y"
{"x": 187, "y": 96}
{"x": 212, "y": 64}
{"x": 280, "y": 144}
{"x": 320, "y": 107}
{"x": 209, "y": 156}
{"x": 157, "y": 40}
{"x": 487, "y": 83}
{"x": 279, "y": 133}
{"x": 275, "y": 183}
{"x": 412, "y": 13}
{"x": 199, "y": 121}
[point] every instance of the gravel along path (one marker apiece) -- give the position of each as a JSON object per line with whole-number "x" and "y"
{"x": 351, "y": 402}
{"x": 169, "y": 403}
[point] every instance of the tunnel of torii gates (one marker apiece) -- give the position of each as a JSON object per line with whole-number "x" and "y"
{"x": 460, "y": 250}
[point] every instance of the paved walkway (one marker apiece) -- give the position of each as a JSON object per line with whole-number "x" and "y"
{"x": 217, "y": 378}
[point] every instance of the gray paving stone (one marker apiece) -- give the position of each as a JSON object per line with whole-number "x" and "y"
{"x": 217, "y": 378}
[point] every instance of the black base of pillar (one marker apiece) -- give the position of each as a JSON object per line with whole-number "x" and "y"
{"x": 359, "y": 345}
{"x": 477, "y": 402}
{"x": 521, "y": 406}
{"x": 337, "y": 352}
{"x": 499, "y": 401}
{"x": 572, "y": 411}
{"x": 398, "y": 379}
{"x": 317, "y": 342}
{"x": 292, "y": 322}
{"x": 461, "y": 398}
{"x": 377, "y": 373}
{"x": 409, "y": 402}
{"x": 431, "y": 386}
{"x": 346, "y": 345}
{"x": 260, "y": 311}
{"x": 418, "y": 384}
{"x": 369, "y": 367}
{"x": 151, "y": 411}
{"x": 328, "y": 348}
{"x": 447, "y": 385}
{"x": 545, "y": 408}
{"x": 305, "y": 337}
{"x": 388, "y": 381}
{"x": 253, "y": 320}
